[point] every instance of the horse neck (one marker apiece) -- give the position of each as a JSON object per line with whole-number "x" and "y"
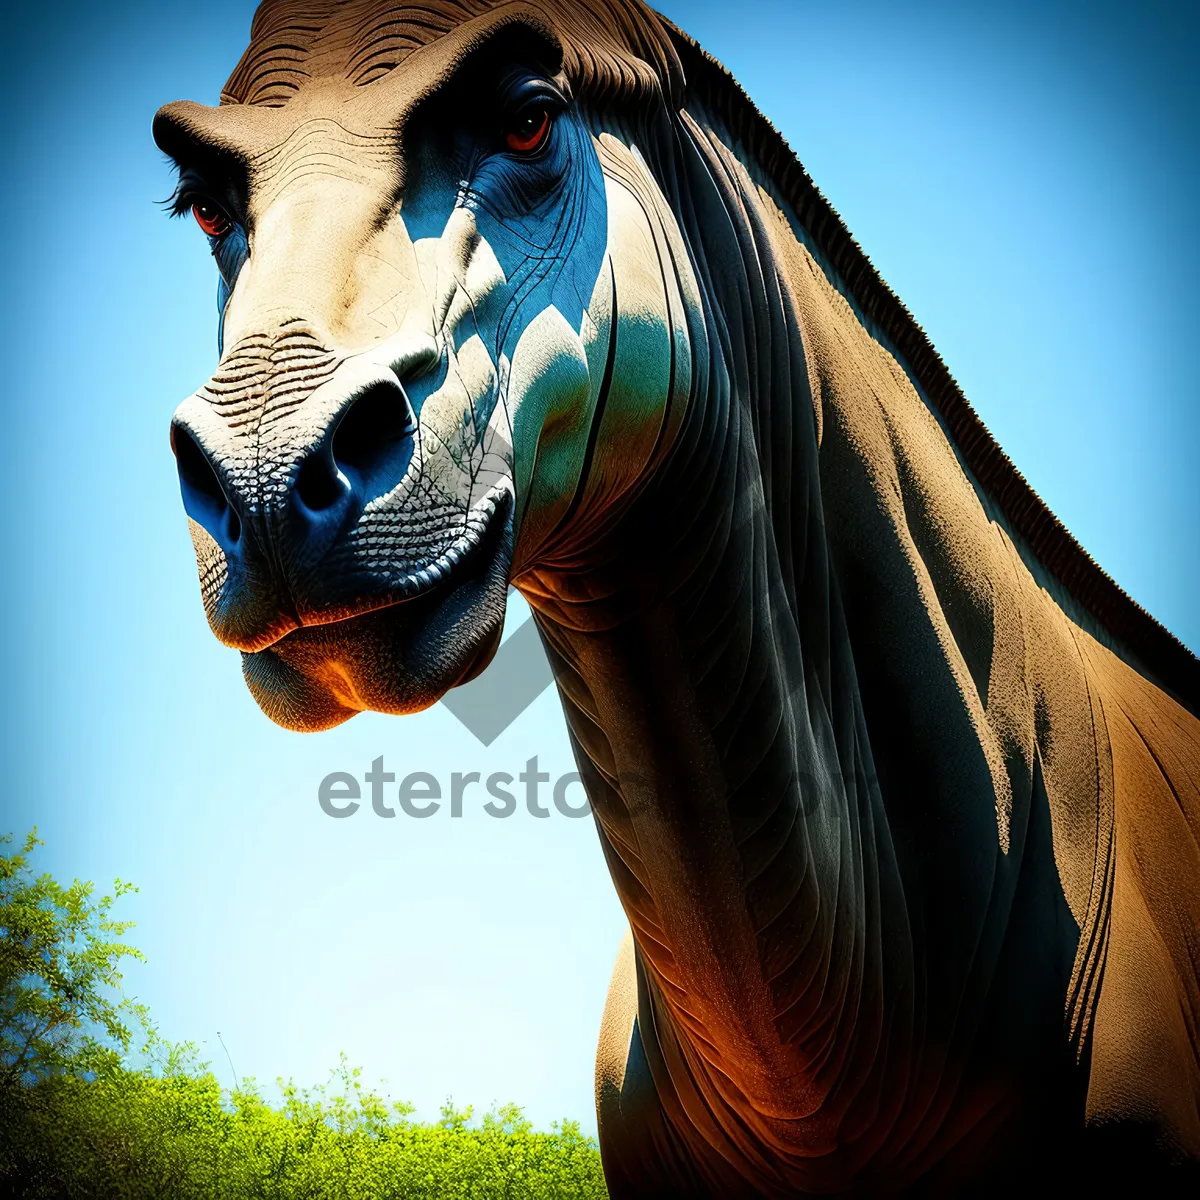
{"x": 709, "y": 689}
{"x": 816, "y": 694}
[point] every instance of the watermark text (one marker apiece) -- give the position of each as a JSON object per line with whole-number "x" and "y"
{"x": 420, "y": 794}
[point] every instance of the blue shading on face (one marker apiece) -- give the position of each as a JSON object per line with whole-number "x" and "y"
{"x": 543, "y": 212}
{"x": 230, "y": 253}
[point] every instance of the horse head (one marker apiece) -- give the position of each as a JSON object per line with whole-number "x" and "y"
{"x": 453, "y": 319}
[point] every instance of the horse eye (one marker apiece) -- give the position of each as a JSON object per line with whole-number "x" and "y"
{"x": 528, "y": 131}
{"x": 211, "y": 219}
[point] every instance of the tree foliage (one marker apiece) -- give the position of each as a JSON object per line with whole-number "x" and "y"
{"x": 60, "y": 957}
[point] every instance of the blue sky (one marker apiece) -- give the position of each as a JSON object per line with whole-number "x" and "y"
{"x": 1023, "y": 175}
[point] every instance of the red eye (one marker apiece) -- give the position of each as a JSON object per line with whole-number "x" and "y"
{"x": 528, "y": 131}
{"x": 211, "y": 219}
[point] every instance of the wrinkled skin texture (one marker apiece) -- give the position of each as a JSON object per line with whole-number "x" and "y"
{"x": 898, "y": 791}
{"x": 469, "y": 332}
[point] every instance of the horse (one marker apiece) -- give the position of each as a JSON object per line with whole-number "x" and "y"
{"x": 899, "y": 791}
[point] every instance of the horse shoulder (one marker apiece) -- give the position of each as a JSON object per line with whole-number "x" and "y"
{"x": 1145, "y": 1054}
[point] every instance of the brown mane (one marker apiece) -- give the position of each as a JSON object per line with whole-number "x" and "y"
{"x": 1155, "y": 649}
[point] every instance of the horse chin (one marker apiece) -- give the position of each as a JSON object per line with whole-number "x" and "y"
{"x": 398, "y": 659}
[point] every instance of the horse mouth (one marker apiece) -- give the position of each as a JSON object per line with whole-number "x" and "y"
{"x": 466, "y": 555}
{"x": 398, "y": 651}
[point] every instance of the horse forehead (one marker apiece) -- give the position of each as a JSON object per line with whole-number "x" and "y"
{"x": 318, "y": 90}
{"x": 296, "y": 43}
{"x": 320, "y": 149}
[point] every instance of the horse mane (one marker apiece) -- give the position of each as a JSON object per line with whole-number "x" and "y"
{"x": 1155, "y": 649}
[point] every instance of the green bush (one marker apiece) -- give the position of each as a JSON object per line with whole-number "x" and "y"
{"x": 134, "y": 1134}
{"x": 79, "y": 1118}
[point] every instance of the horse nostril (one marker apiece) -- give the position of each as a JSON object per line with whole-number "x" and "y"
{"x": 194, "y": 468}
{"x": 203, "y": 496}
{"x": 319, "y": 485}
{"x": 366, "y": 457}
{"x": 374, "y": 437}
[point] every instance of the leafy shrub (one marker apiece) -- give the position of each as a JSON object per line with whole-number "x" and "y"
{"x": 133, "y": 1134}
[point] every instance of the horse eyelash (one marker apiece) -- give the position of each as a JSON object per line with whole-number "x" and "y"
{"x": 176, "y": 204}
{"x": 180, "y": 202}
{"x": 183, "y": 200}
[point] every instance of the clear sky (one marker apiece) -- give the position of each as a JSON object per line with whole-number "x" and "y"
{"x": 1024, "y": 175}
